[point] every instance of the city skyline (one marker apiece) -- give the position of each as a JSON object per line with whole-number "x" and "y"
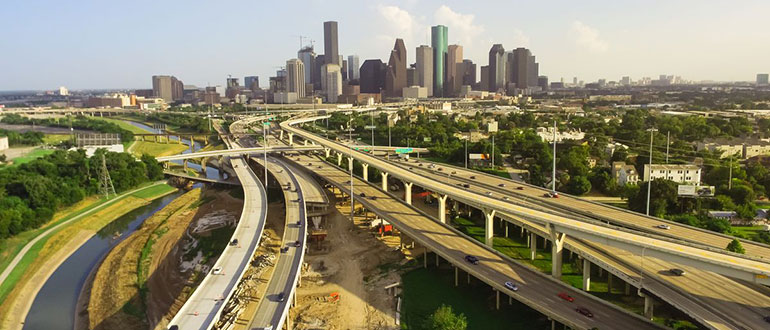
{"x": 48, "y": 51}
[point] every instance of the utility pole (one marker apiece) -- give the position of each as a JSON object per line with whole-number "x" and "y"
{"x": 649, "y": 170}
{"x": 668, "y": 143}
{"x": 264, "y": 143}
{"x": 350, "y": 137}
{"x": 553, "y": 175}
{"x": 371, "y": 114}
{"x": 467, "y": 137}
{"x": 730, "y": 178}
{"x": 493, "y": 152}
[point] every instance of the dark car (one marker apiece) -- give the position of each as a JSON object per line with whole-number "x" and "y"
{"x": 362, "y": 195}
{"x": 374, "y": 198}
{"x": 473, "y": 176}
{"x": 281, "y": 297}
{"x": 767, "y": 319}
{"x": 465, "y": 185}
{"x": 520, "y": 188}
{"x": 501, "y": 185}
{"x": 234, "y": 242}
{"x": 297, "y": 244}
{"x": 173, "y": 327}
{"x": 299, "y": 223}
{"x": 584, "y": 311}
{"x": 472, "y": 259}
{"x": 309, "y": 164}
{"x": 676, "y": 272}
{"x": 284, "y": 249}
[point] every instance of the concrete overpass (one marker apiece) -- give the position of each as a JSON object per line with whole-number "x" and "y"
{"x": 716, "y": 260}
{"x": 236, "y": 151}
{"x": 201, "y": 179}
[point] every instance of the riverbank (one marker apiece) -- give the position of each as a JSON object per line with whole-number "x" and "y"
{"x": 43, "y": 254}
{"x": 139, "y": 284}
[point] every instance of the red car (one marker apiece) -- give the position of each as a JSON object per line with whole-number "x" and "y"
{"x": 566, "y": 297}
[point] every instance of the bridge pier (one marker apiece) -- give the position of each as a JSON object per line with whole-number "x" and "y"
{"x": 586, "y": 275}
{"x": 385, "y": 181}
{"x": 557, "y": 245}
{"x": 339, "y": 159}
{"x": 305, "y": 143}
{"x": 156, "y": 139}
{"x": 291, "y": 138}
{"x": 442, "y": 208}
{"x": 506, "y": 228}
{"x": 204, "y": 161}
{"x": 280, "y": 136}
{"x": 425, "y": 258}
{"x": 532, "y": 245}
{"x": 179, "y": 139}
{"x": 609, "y": 282}
{"x": 326, "y": 150}
{"x": 647, "y": 305}
{"x": 408, "y": 192}
{"x": 166, "y": 165}
{"x": 456, "y": 276}
{"x": 168, "y": 138}
{"x": 366, "y": 171}
{"x": 489, "y": 231}
{"x": 627, "y": 290}
{"x": 184, "y": 162}
{"x": 497, "y": 299}
{"x": 350, "y": 163}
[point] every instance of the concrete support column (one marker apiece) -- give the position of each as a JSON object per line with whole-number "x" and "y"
{"x": 457, "y": 274}
{"x": 627, "y": 290}
{"x": 442, "y": 208}
{"x": 586, "y": 275}
{"x": 204, "y": 161}
{"x": 497, "y": 299}
{"x": 506, "y": 228}
{"x": 425, "y": 258}
{"x": 408, "y": 192}
{"x": 647, "y": 306}
{"x": 327, "y": 151}
{"x": 553, "y": 324}
{"x": 366, "y": 171}
{"x": 165, "y": 165}
{"x": 532, "y": 245}
{"x": 280, "y": 136}
{"x": 385, "y": 181}
{"x": 609, "y": 282}
{"x": 156, "y": 139}
{"x": 437, "y": 257}
{"x": 339, "y": 159}
{"x": 557, "y": 245}
{"x": 168, "y": 138}
{"x": 184, "y": 164}
{"x": 522, "y": 231}
{"x": 291, "y": 138}
{"x": 350, "y": 164}
{"x": 305, "y": 142}
{"x": 489, "y": 232}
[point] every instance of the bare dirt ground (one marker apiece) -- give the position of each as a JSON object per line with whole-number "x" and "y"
{"x": 356, "y": 264}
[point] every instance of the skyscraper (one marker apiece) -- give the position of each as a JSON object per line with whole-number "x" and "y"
{"x": 307, "y": 56}
{"x": 372, "y": 76}
{"x": 295, "y": 77}
{"x": 453, "y": 80}
{"x": 762, "y": 79}
{"x": 497, "y": 59}
{"x": 331, "y": 48}
{"x": 438, "y": 39}
{"x": 467, "y": 70}
{"x": 320, "y": 60}
{"x": 333, "y": 81}
{"x": 353, "y": 67}
{"x": 525, "y": 71}
{"x": 424, "y": 68}
{"x": 232, "y": 88}
{"x": 395, "y": 77}
{"x": 484, "y": 78}
{"x": 344, "y": 68}
{"x": 251, "y": 82}
{"x": 168, "y": 88}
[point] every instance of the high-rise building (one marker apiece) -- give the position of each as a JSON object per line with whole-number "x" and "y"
{"x": 412, "y": 78}
{"x": 542, "y": 82}
{"x": 295, "y": 77}
{"x": 320, "y": 60}
{"x": 762, "y": 79}
{"x": 251, "y": 82}
{"x": 395, "y": 76}
{"x": 332, "y": 75}
{"x": 331, "y": 47}
{"x": 308, "y": 58}
{"x": 438, "y": 38}
{"x": 524, "y": 71}
{"x": 372, "y": 76}
{"x": 453, "y": 79}
{"x": 168, "y": 88}
{"x": 497, "y": 59}
{"x": 232, "y": 88}
{"x": 344, "y": 68}
{"x": 625, "y": 81}
{"x": 484, "y": 78}
{"x": 467, "y": 70}
{"x": 424, "y": 67}
{"x": 353, "y": 67}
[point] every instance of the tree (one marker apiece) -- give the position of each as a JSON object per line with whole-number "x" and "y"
{"x": 578, "y": 185}
{"x": 575, "y": 161}
{"x": 735, "y": 246}
{"x": 663, "y": 198}
{"x": 445, "y": 319}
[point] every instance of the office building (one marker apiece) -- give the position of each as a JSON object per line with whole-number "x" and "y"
{"x": 453, "y": 79}
{"x": 319, "y": 62}
{"x": 762, "y": 79}
{"x": 424, "y": 68}
{"x": 251, "y": 82}
{"x": 412, "y": 79}
{"x": 233, "y": 88}
{"x": 167, "y": 88}
{"x": 372, "y": 76}
{"x": 395, "y": 76}
{"x": 308, "y": 57}
{"x": 496, "y": 71}
{"x": 624, "y": 173}
{"x": 344, "y": 68}
{"x": 484, "y": 78}
{"x": 542, "y": 82}
{"x": 331, "y": 48}
{"x": 438, "y": 37}
{"x": 332, "y": 75}
{"x": 63, "y": 91}
{"x": 295, "y": 77}
{"x": 354, "y": 67}
{"x": 467, "y": 70}
{"x": 524, "y": 71}
{"x": 415, "y": 92}
{"x": 625, "y": 81}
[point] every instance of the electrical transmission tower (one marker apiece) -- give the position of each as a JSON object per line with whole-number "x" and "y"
{"x": 105, "y": 182}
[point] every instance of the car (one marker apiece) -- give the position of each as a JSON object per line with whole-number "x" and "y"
{"x": 520, "y": 188}
{"x": 454, "y": 172}
{"x": 420, "y": 164}
{"x": 411, "y": 168}
{"x": 173, "y": 327}
{"x": 505, "y": 198}
{"x": 235, "y": 166}
{"x": 676, "y": 272}
{"x": 473, "y": 177}
{"x": 234, "y": 242}
{"x": 374, "y": 198}
{"x": 281, "y": 297}
{"x": 319, "y": 166}
{"x": 663, "y": 226}
{"x": 299, "y": 223}
{"x": 472, "y": 259}
{"x": 216, "y": 270}
{"x": 489, "y": 193}
{"x": 465, "y": 185}
{"x": 511, "y": 286}
{"x": 280, "y": 170}
{"x": 767, "y": 319}
{"x": 584, "y": 311}
{"x": 501, "y": 185}
{"x": 309, "y": 164}
{"x": 440, "y": 169}
{"x": 566, "y": 297}
{"x": 297, "y": 244}
{"x": 362, "y": 195}
{"x": 551, "y": 194}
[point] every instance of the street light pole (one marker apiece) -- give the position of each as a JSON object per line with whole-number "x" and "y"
{"x": 668, "y": 143}
{"x": 466, "y": 151}
{"x": 493, "y": 151}
{"x": 371, "y": 115}
{"x": 350, "y": 137}
{"x": 553, "y": 175}
{"x": 649, "y": 170}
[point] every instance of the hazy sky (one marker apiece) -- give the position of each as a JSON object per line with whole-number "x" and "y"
{"x": 121, "y": 44}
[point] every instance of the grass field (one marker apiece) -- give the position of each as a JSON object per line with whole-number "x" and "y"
{"x": 427, "y": 289}
{"x": 156, "y": 149}
{"x": 54, "y": 139}
{"x": 32, "y": 155}
{"x": 126, "y": 126}
{"x": 749, "y": 232}
{"x": 34, "y": 259}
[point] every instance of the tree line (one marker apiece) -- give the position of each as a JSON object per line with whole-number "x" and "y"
{"x": 79, "y": 122}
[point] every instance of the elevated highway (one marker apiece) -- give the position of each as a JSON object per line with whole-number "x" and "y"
{"x": 537, "y": 290}
{"x": 716, "y": 260}
{"x": 236, "y": 151}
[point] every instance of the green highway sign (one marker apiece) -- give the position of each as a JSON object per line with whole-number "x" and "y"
{"x": 404, "y": 150}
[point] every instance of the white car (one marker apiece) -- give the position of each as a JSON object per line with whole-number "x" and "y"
{"x": 663, "y": 226}
{"x": 511, "y": 286}
{"x": 217, "y": 270}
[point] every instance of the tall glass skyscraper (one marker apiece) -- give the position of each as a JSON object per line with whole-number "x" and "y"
{"x": 438, "y": 39}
